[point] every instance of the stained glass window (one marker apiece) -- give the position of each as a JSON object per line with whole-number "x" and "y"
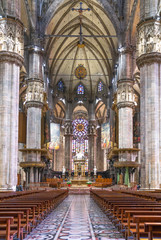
{"x": 73, "y": 146}
{"x": 100, "y": 86}
{"x": 60, "y": 86}
{"x": 86, "y": 145}
{"x": 80, "y": 89}
{"x": 80, "y": 127}
{"x": 86, "y": 166}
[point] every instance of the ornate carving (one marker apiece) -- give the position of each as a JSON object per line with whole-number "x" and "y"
{"x": 11, "y": 36}
{"x": 149, "y": 37}
{"x": 92, "y": 128}
{"x": 35, "y": 92}
{"x": 125, "y": 94}
{"x": 68, "y": 128}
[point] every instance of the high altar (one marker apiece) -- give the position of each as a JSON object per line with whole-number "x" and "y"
{"x": 79, "y": 164}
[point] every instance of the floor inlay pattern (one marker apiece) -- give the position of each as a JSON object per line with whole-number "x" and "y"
{"x": 103, "y": 228}
{"x": 77, "y": 217}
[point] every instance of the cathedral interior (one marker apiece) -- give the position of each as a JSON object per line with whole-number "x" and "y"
{"x": 80, "y": 105}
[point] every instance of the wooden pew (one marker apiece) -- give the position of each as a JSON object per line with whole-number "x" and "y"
{"x": 24, "y": 221}
{"x": 152, "y": 228}
{"x": 33, "y": 207}
{"x": 17, "y": 216}
{"x": 142, "y": 219}
{"x": 116, "y": 204}
{"x": 130, "y": 213}
{"x": 7, "y": 233}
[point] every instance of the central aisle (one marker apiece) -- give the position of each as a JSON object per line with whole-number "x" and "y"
{"x": 77, "y": 217}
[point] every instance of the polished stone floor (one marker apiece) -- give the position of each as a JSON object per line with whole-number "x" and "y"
{"x": 77, "y": 217}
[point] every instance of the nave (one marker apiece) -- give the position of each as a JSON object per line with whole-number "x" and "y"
{"x": 77, "y": 217}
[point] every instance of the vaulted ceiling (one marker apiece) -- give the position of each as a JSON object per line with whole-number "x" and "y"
{"x": 96, "y": 54}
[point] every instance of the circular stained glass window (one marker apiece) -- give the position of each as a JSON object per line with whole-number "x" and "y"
{"x": 80, "y": 128}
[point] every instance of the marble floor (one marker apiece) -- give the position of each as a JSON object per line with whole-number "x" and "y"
{"x": 77, "y": 217}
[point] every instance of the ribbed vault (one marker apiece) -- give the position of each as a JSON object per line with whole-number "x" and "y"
{"x": 65, "y": 54}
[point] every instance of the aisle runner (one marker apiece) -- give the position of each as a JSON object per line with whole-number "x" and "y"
{"x": 78, "y": 217}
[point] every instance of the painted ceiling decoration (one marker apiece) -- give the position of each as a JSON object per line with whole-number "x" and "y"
{"x": 80, "y": 72}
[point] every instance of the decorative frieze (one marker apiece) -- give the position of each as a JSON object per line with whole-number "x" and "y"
{"x": 11, "y": 36}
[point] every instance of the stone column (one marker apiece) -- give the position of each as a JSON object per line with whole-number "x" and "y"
{"x": 34, "y": 105}
{"x": 11, "y": 58}
{"x": 125, "y": 100}
{"x": 100, "y": 163}
{"x": 92, "y": 138}
{"x": 91, "y": 146}
{"x": 68, "y": 145}
{"x": 149, "y": 63}
{"x": 125, "y": 105}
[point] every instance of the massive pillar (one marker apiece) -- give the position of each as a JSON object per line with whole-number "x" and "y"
{"x": 34, "y": 105}
{"x": 68, "y": 145}
{"x": 91, "y": 138}
{"x": 125, "y": 105}
{"x": 11, "y": 58}
{"x": 149, "y": 63}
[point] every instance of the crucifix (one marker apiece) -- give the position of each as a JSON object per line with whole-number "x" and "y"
{"x": 81, "y": 10}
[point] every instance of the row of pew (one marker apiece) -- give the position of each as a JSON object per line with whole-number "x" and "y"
{"x": 18, "y": 216}
{"x": 134, "y": 216}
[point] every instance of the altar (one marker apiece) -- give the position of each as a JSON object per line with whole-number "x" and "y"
{"x": 79, "y": 164}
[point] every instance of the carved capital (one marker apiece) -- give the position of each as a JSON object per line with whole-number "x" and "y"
{"x": 11, "y": 36}
{"x": 125, "y": 94}
{"x": 35, "y": 92}
{"x": 149, "y": 37}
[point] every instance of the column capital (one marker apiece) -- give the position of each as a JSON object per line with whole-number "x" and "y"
{"x": 11, "y": 57}
{"x": 125, "y": 94}
{"x": 148, "y": 40}
{"x": 11, "y": 36}
{"x": 35, "y": 94}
